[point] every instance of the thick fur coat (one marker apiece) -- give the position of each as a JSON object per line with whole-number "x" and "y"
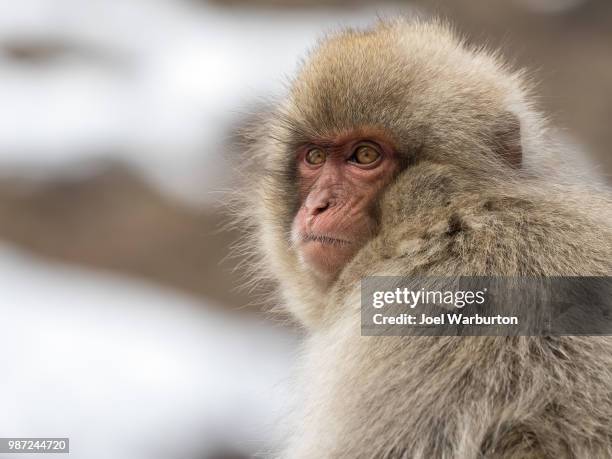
{"x": 485, "y": 190}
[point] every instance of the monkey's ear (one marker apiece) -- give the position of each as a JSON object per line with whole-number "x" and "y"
{"x": 507, "y": 142}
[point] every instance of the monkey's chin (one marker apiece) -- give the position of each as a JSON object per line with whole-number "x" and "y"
{"x": 324, "y": 259}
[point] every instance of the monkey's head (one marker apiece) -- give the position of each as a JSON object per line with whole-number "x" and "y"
{"x": 366, "y": 109}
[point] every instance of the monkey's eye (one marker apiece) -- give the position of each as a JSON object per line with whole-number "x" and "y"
{"x": 315, "y": 157}
{"x": 365, "y": 155}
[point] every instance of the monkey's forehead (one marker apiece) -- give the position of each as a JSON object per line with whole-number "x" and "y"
{"x": 400, "y": 71}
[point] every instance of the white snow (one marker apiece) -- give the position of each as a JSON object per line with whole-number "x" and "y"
{"x": 158, "y": 83}
{"x": 130, "y": 371}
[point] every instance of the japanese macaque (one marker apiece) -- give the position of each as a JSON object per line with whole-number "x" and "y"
{"x": 401, "y": 150}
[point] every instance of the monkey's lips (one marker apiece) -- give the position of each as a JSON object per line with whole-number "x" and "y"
{"x": 325, "y": 253}
{"x": 324, "y": 239}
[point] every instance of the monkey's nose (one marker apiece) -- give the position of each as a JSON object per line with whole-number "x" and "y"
{"x": 318, "y": 208}
{"x": 319, "y": 202}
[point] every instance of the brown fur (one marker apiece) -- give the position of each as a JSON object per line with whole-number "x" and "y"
{"x": 467, "y": 203}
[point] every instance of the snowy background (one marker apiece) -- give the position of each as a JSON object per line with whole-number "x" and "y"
{"x": 122, "y": 326}
{"x": 128, "y": 370}
{"x": 157, "y": 83}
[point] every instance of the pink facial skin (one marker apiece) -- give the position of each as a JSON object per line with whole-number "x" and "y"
{"x": 337, "y": 198}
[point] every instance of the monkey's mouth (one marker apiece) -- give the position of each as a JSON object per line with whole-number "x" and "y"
{"x": 324, "y": 239}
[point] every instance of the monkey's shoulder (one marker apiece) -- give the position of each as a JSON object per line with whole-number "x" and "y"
{"x": 460, "y": 230}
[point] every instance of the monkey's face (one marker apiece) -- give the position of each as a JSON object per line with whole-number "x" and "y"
{"x": 339, "y": 181}
{"x": 364, "y": 106}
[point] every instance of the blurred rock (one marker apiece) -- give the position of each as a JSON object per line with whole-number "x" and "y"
{"x": 31, "y": 51}
{"x": 49, "y": 51}
{"x": 551, "y": 6}
{"x": 227, "y": 455}
{"x": 114, "y": 220}
{"x": 291, "y": 3}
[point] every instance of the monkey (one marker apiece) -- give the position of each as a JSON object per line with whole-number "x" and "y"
{"x": 403, "y": 150}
